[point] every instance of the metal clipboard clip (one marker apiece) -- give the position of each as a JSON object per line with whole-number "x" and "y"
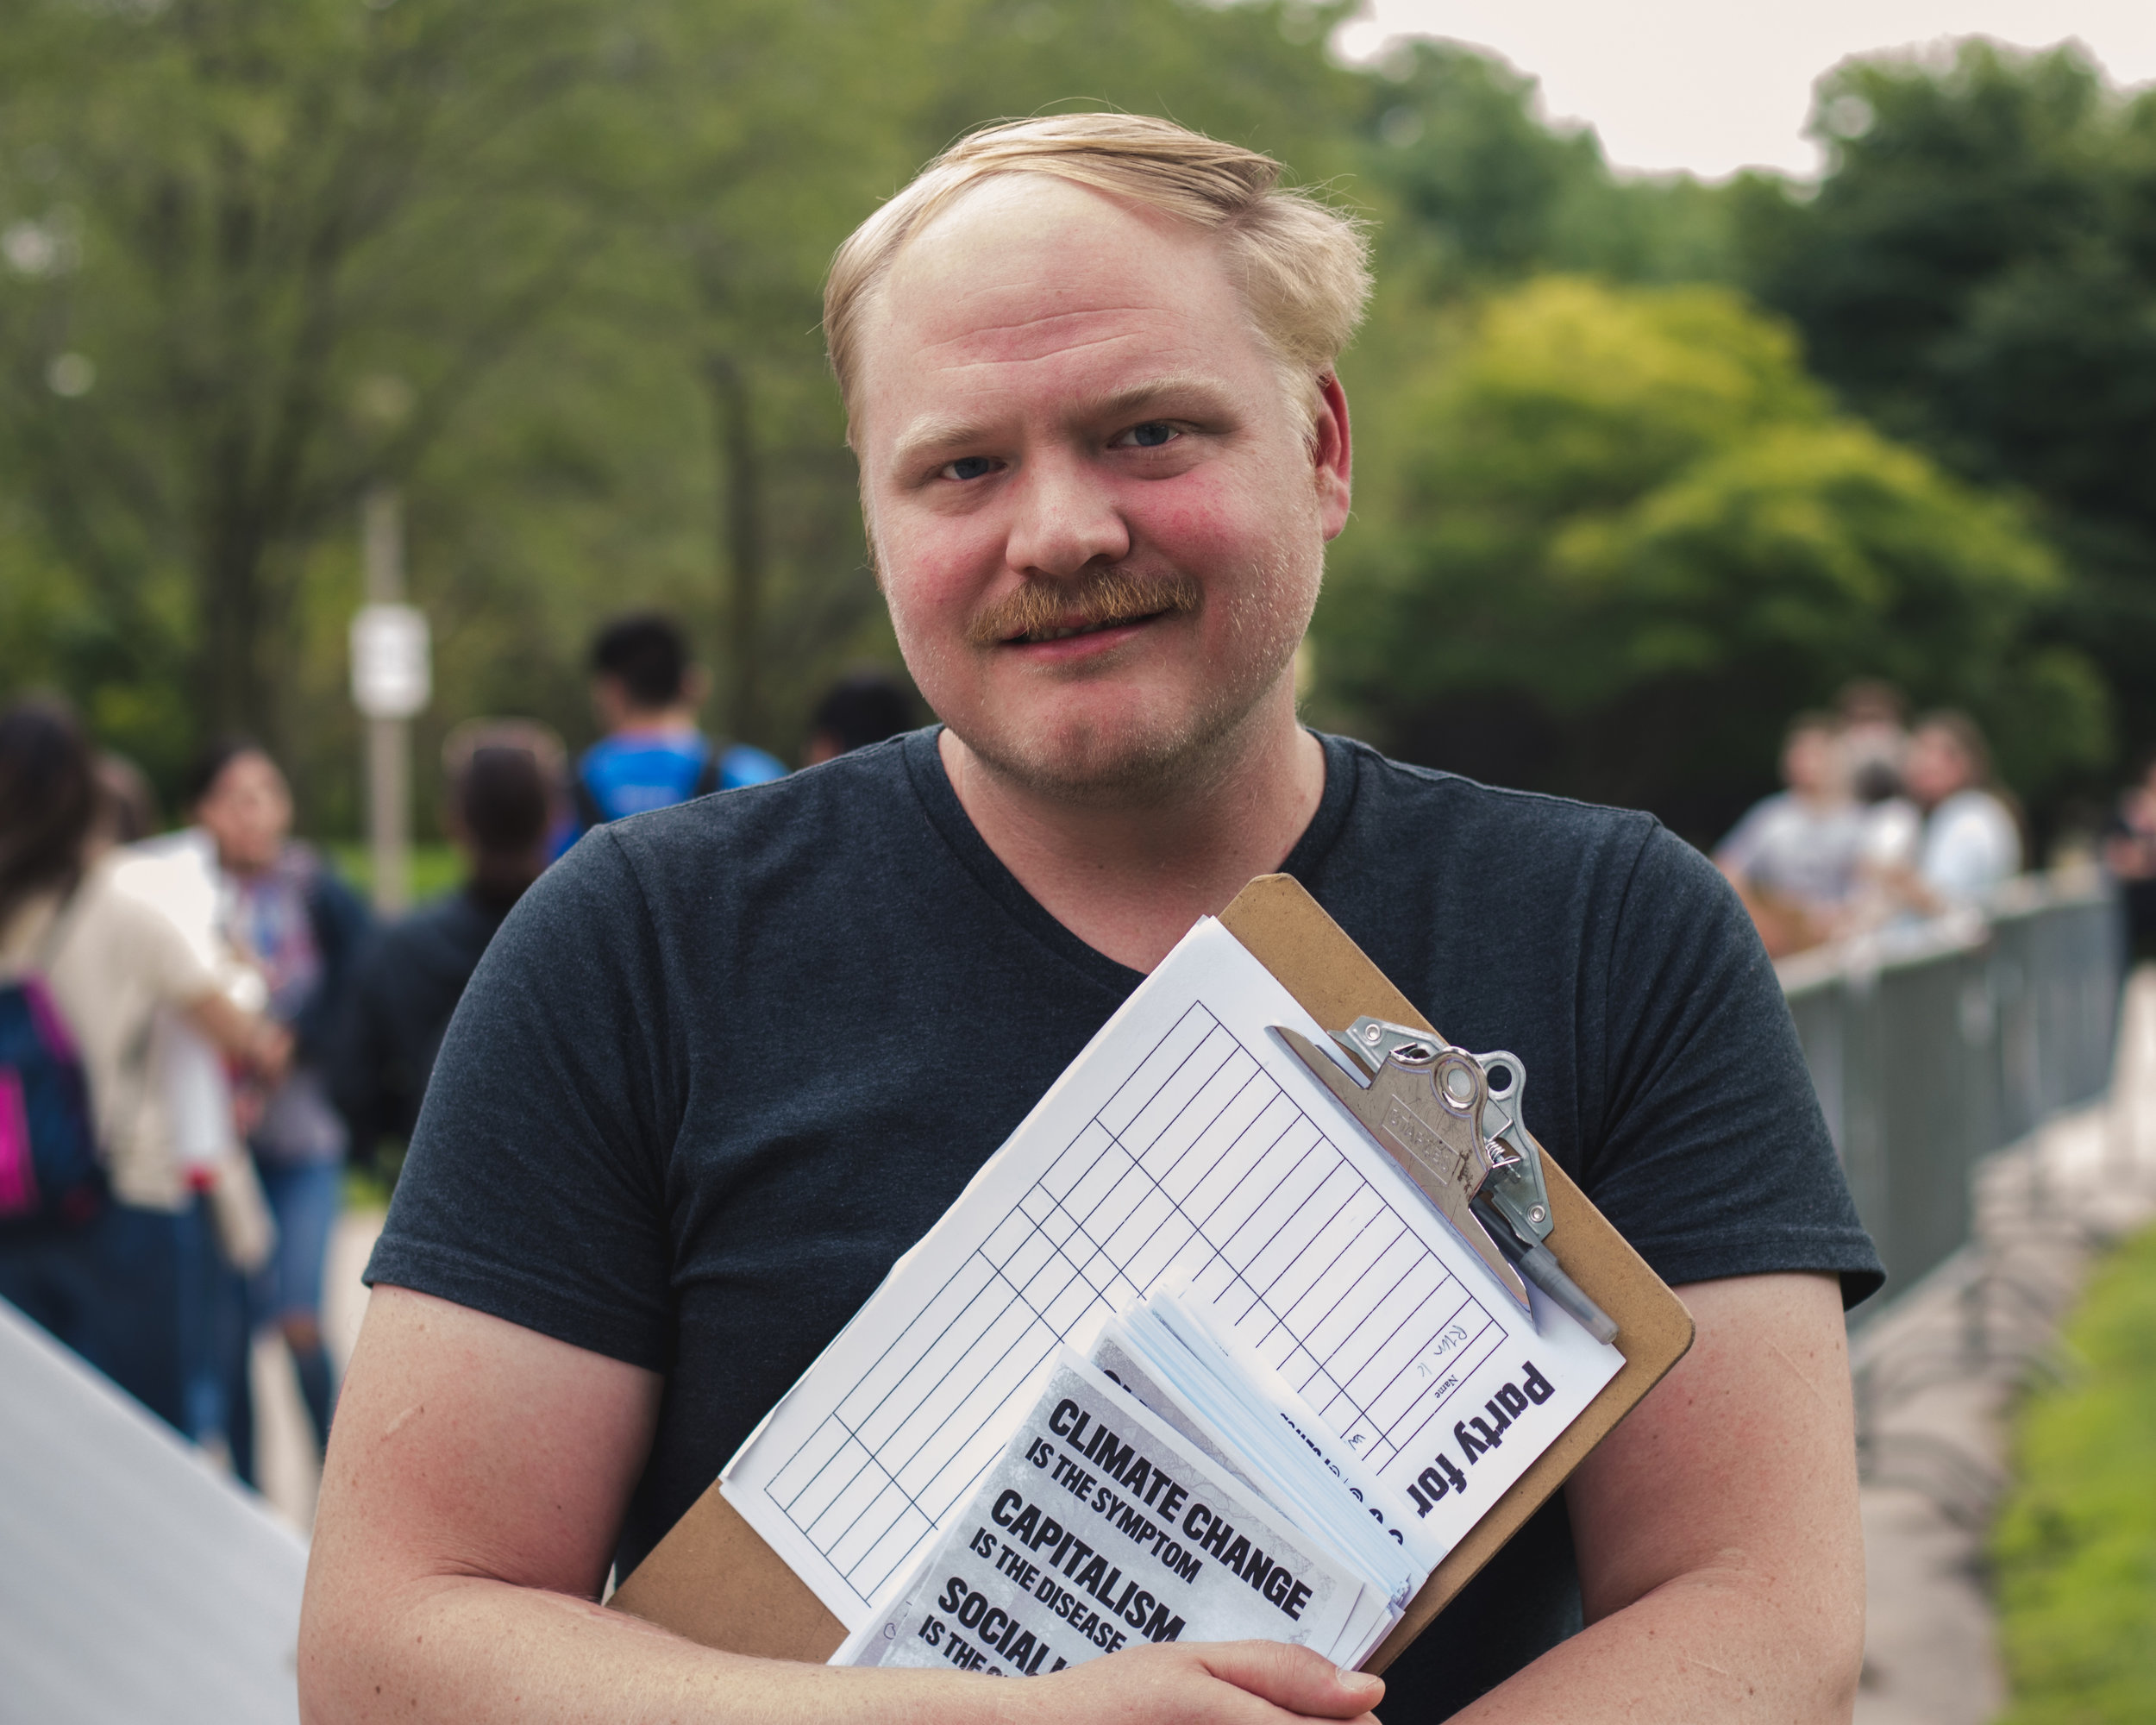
{"x": 1453, "y": 1121}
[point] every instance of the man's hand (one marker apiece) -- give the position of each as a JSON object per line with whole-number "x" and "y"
{"x": 476, "y": 1479}
{"x": 1235, "y": 1682}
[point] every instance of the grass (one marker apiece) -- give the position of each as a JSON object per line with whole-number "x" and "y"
{"x": 2074, "y": 1547}
{"x": 434, "y": 869}
{"x": 367, "y": 1185}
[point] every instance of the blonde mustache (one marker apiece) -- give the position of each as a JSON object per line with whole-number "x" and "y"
{"x": 1110, "y": 596}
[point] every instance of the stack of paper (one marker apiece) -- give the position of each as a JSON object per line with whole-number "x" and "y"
{"x": 1214, "y": 1388}
{"x": 1169, "y": 1488}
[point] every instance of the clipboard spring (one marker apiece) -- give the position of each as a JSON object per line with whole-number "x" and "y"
{"x": 1455, "y": 1122}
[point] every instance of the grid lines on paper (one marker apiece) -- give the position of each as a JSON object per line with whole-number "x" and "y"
{"x": 1201, "y": 1159}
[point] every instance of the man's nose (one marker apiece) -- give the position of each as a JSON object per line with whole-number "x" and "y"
{"x": 1064, "y": 518}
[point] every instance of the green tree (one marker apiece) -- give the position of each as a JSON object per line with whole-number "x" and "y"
{"x": 554, "y": 265}
{"x": 667, "y": 435}
{"x": 1977, "y": 273}
{"x": 257, "y": 254}
{"x": 1476, "y": 188}
{"x": 1620, "y": 536}
{"x": 774, "y": 129}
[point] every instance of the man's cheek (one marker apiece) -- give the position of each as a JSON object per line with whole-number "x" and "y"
{"x": 1199, "y": 524}
{"x": 929, "y": 617}
{"x": 926, "y": 604}
{"x": 939, "y": 563}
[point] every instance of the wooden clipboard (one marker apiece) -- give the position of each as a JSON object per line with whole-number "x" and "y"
{"x": 713, "y": 1579}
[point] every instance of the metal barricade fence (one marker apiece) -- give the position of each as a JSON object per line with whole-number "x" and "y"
{"x": 1932, "y": 1046}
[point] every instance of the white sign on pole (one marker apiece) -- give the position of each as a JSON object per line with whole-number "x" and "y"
{"x": 392, "y": 674}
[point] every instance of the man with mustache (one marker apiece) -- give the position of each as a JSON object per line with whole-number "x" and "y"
{"x": 727, "y": 1060}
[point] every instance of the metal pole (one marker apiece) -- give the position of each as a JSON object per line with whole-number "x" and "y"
{"x": 388, "y": 740}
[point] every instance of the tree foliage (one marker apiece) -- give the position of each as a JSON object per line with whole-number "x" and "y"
{"x": 262, "y": 250}
{"x": 1626, "y": 536}
{"x": 1477, "y": 189}
{"x": 1977, "y": 273}
{"x": 553, "y": 267}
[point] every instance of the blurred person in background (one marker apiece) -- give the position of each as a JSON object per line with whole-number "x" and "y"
{"x": 646, "y": 692}
{"x": 1793, "y": 857}
{"x": 1875, "y": 743}
{"x": 177, "y": 875}
{"x": 866, "y": 708}
{"x": 1971, "y": 842}
{"x": 302, "y": 927}
{"x": 129, "y": 803}
{"x": 1873, "y": 721}
{"x": 2129, "y": 852}
{"x": 122, "y": 1276}
{"x": 505, "y": 781}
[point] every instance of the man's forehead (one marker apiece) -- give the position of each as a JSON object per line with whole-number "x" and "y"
{"x": 1027, "y": 269}
{"x": 1017, "y": 218}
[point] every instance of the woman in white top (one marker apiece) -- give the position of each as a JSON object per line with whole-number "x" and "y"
{"x": 124, "y": 1287}
{"x": 1971, "y": 844}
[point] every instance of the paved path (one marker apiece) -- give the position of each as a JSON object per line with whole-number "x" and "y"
{"x": 290, "y": 1473}
{"x": 1935, "y": 1375}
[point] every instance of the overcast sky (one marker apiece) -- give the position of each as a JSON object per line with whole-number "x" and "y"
{"x": 1716, "y": 86}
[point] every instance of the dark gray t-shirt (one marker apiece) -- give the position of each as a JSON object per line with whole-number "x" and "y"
{"x": 727, "y": 1060}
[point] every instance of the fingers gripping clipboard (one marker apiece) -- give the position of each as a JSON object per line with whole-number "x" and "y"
{"x": 715, "y": 1581}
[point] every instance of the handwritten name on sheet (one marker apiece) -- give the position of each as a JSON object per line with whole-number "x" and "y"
{"x": 1184, "y": 1137}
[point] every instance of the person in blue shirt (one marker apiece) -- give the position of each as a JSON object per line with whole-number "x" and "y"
{"x": 646, "y": 693}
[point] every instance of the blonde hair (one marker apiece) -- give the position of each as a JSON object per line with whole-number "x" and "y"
{"x": 1303, "y": 267}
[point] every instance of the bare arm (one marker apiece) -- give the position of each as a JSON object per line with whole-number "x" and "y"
{"x": 264, "y": 1046}
{"x": 1720, "y": 1560}
{"x": 477, "y": 1474}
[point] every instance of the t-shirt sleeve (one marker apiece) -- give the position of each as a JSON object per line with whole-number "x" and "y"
{"x": 1714, "y": 1159}
{"x": 535, "y": 1189}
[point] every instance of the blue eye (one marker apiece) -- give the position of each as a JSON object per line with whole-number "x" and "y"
{"x": 1152, "y": 434}
{"x": 968, "y": 467}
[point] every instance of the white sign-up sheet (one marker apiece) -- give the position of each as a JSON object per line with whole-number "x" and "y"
{"x": 1186, "y": 1138}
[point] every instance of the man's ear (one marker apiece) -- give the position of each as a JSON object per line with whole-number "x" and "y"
{"x": 696, "y": 683}
{"x": 1332, "y": 454}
